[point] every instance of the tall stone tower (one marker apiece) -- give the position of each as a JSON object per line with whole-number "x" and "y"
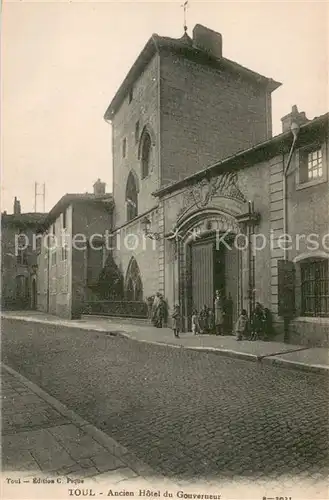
{"x": 181, "y": 107}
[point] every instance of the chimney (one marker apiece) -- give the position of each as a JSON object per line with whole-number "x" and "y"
{"x": 17, "y": 206}
{"x": 208, "y": 40}
{"x": 99, "y": 188}
{"x": 294, "y": 117}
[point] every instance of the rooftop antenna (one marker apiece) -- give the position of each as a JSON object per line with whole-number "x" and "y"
{"x": 185, "y": 7}
{"x": 39, "y": 193}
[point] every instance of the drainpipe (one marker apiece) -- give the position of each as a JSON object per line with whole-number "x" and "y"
{"x": 294, "y": 129}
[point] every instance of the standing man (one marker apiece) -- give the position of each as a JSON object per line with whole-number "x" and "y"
{"x": 219, "y": 313}
{"x": 228, "y": 318}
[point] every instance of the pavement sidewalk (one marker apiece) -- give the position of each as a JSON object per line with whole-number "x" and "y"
{"x": 315, "y": 359}
{"x": 42, "y": 438}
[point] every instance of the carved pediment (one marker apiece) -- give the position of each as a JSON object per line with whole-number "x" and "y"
{"x": 200, "y": 195}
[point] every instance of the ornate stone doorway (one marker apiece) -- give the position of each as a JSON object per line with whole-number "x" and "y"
{"x": 206, "y": 263}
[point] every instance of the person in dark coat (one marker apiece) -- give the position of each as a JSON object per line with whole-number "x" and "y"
{"x": 258, "y": 322}
{"x": 203, "y": 320}
{"x": 160, "y": 313}
{"x": 219, "y": 313}
{"x": 228, "y": 318}
{"x": 176, "y": 320}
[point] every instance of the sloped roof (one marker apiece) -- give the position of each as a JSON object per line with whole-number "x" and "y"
{"x": 24, "y": 219}
{"x": 70, "y": 198}
{"x": 279, "y": 144}
{"x": 183, "y": 46}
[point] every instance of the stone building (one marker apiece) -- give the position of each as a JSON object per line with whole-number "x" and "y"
{"x": 70, "y": 254}
{"x": 193, "y": 160}
{"x": 18, "y": 258}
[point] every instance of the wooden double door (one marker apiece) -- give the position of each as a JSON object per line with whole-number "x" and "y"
{"x": 207, "y": 272}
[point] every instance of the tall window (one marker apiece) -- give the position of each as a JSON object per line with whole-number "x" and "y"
{"x": 311, "y": 166}
{"x": 134, "y": 286}
{"x": 315, "y": 287}
{"x": 131, "y": 197}
{"x": 124, "y": 148}
{"x": 64, "y": 219}
{"x": 137, "y": 132}
{"x": 145, "y": 154}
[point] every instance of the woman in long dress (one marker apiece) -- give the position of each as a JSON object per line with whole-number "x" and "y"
{"x": 155, "y": 306}
{"x": 219, "y": 313}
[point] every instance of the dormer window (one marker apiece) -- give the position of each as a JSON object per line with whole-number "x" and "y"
{"x": 311, "y": 166}
{"x": 314, "y": 165}
{"x": 130, "y": 95}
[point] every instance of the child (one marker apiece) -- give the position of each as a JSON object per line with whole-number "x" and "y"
{"x": 241, "y": 325}
{"x": 211, "y": 321}
{"x": 203, "y": 320}
{"x": 176, "y": 320}
{"x": 195, "y": 322}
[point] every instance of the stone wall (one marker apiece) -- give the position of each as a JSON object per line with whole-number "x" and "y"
{"x": 206, "y": 115}
{"x": 143, "y": 108}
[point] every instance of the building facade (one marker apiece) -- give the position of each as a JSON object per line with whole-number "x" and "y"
{"x": 181, "y": 107}
{"x": 19, "y": 258}
{"x": 194, "y": 161}
{"x": 70, "y": 255}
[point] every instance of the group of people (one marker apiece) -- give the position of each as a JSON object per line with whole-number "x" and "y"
{"x": 218, "y": 320}
{"x": 260, "y": 326}
{"x": 158, "y": 310}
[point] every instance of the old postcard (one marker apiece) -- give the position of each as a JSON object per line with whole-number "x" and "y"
{"x": 165, "y": 250}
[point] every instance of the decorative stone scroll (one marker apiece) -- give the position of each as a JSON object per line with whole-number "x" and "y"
{"x": 201, "y": 194}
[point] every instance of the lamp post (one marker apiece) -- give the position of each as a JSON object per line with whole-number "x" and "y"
{"x": 146, "y": 223}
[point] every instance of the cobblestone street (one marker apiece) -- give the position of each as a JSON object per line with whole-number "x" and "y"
{"x": 183, "y": 412}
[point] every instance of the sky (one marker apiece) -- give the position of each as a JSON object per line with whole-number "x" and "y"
{"x": 63, "y": 61}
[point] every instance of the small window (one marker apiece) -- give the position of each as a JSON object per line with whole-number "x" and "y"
{"x": 130, "y": 96}
{"x": 311, "y": 166}
{"x": 124, "y": 148}
{"x": 315, "y": 287}
{"x": 21, "y": 257}
{"x": 54, "y": 257}
{"x": 137, "y": 132}
{"x": 64, "y": 219}
{"x": 64, "y": 252}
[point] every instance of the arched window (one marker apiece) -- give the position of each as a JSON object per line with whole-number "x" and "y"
{"x": 131, "y": 197}
{"x": 134, "y": 286}
{"x": 130, "y": 290}
{"x": 145, "y": 154}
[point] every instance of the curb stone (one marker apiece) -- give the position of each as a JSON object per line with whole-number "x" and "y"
{"x": 296, "y": 365}
{"x": 267, "y": 359}
{"x": 119, "y": 451}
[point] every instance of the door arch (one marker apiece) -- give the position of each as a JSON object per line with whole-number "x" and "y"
{"x": 200, "y": 255}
